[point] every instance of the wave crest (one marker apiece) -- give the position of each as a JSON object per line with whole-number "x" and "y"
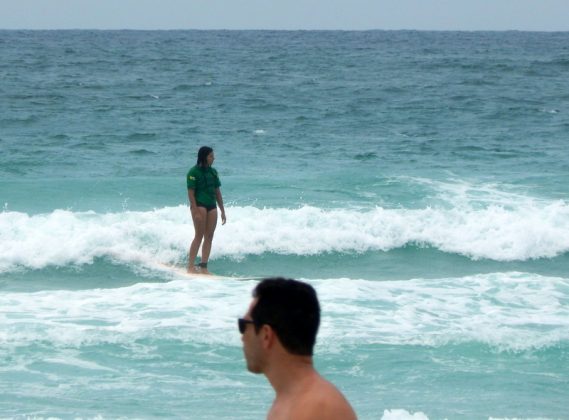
{"x": 536, "y": 230}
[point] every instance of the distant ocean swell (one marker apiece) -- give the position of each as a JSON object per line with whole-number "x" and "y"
{"x": 63, "y": 237}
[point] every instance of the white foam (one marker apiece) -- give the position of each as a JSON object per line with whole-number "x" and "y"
{"x": 72, "y": 360}
{"x": 179, "y": 309}
{"x": 521, "y": 230}
{"x": 63, "y": 237}
{"x": 508, "y": 311}
{"x": 399, "y": 414}
{"x": 519, "y": 418}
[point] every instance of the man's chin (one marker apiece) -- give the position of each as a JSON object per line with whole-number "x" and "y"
{"x": 253, "y": 368}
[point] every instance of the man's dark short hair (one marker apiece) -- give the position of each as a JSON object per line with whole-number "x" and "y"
{"x": 291, "y": 308}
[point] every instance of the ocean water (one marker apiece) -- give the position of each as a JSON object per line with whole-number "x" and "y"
{"x": 418, "y": 180}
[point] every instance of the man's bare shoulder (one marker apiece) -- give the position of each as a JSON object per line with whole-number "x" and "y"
{"x": 322, "y": 400}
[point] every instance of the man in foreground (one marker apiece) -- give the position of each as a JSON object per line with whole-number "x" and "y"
{"x": 278, "y": 333}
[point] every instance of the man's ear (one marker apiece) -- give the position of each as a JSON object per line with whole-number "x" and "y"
{"x": 268, "y": 336}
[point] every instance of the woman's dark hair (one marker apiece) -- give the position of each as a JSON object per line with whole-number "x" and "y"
{"x": 292, "y": 310}
{"x": 203, "y": 153}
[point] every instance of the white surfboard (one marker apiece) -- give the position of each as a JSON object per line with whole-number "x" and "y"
{"x": 182, "y": 272}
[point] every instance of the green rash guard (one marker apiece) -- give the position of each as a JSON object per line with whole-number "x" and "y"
{"x": 204, "y": 182}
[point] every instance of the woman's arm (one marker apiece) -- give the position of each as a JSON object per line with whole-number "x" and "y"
{"x": 219, "y": 200}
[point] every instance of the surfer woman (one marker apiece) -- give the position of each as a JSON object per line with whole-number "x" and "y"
{"x": 203, "y": 192}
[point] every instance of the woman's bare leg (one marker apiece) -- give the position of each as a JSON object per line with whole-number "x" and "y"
{"x": 199, "y": 217}
{"x": 211, "y": 223}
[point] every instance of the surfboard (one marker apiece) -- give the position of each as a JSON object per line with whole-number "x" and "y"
{"x": 182, "y": 272}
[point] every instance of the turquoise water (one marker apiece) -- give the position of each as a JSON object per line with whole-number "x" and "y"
{"x": 418, "y": 180}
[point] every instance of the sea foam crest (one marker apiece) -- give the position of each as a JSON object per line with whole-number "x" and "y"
{"x": 532, "y": 230}
{"x": 399, "y": 414}
{"x": 507, "y": 311}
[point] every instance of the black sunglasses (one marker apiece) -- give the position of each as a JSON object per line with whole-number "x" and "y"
{"x": 242, "y": 324}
